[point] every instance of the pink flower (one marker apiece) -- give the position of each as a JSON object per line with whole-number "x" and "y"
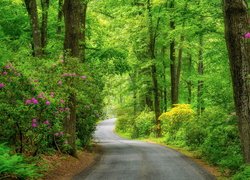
{"x": 56, "y": 134}
{"x": 34, "y": 125}
{"x": 41, "y": 95}
{"x": 62, "y": 101}
{"x": 7, "y": 67}
{"x": 28, "y": 101}
{"x": 46, "y": 122}
{"x": 61, "y": 109}
{"x": 5, "y": 73}
{"x": 47, "y": 103}
{"x": 52, "y": 94}
{"x": 34, "y": 121}
{"x": 2, "y": 85}
{"x": 83, "y": 77}
{"x": 34, "y": 101}
{"x": 59, "y": 82}
{"x": 247, "y": 35}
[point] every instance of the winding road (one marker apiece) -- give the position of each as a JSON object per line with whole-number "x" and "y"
{"x": 135, "y": 160}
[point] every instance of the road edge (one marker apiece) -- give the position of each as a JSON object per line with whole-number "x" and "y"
{"x": 85, "y": 172}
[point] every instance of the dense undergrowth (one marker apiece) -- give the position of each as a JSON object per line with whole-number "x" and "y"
{"x": 213, "y": 136}
{"x": 34, "y": 102}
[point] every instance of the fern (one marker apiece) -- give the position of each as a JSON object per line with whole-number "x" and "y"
{"x": 15, "y": 165}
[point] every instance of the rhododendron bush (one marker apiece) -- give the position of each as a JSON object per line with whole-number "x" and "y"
{"x": 34, "y": 102}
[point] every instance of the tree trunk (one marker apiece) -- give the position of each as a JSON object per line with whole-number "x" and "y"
{"x": 200, "y": 99}
{"x": 72, "y": 16}
{"x": 133, "y": 78}
{"x": 83, "y": 30}
{"x": 236, "y": 25}
{"x": 44, "y": 27}
{"x": 59, "y": 16}
{"x": 151, "y": 51}
{"x": 165, "y": 103}
{"x": 178, "y": 70}
{"x": 189, "y": 81}
{"x": 173, "y": 69}
{"x": 31, "y": 7}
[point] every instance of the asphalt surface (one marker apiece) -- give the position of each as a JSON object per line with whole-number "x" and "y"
{"x": 135, "y": 160}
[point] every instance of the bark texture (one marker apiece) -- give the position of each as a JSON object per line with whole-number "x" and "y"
{"x": 44, "y": 27}
{"x": 200, "y": 99}
{"x": 173, "y": 68}
{"x": 151, "y": 53}
{"x": 60, "y": 16}
{"x": 72, "y": 16}
{"x": 236, "y": 25}
{"x": 31, "y": 6}
{"x": 84, "y": 6}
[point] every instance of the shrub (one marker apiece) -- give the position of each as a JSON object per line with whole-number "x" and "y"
{"x": 222, "y": 147}
{"x": 243, "y": 174}
{"x": 15, "y": 165}
{"x": 34, "y": 103}
{"x": 125, "y": 121}
{"x": 175, "y": 118}
{"x": 195, "y": 133}
{"x": 144, "y": 124}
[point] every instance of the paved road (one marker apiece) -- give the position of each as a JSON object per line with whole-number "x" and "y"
{"x": 134, "y": 160}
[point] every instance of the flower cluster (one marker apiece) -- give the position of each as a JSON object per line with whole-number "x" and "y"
{"x": 34, "y": 123}
{"x": 59, "y": 134}
{"x": 73, "y": 75}
{"x": 247, "y": 35}
{"x": 31, "y": 101}
{"x": 2, "y": 85}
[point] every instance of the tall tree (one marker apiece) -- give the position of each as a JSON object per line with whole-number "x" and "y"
{"x": 31, "y": 6}
{"x": 59, "y": 16}
{"x": 84, "y": 6}
{"x": 173, "y": 68}
{"x": 151, "y": 53}
{"x": 236, "y": 26}
{"x": 200, "y": 98}
{"x": 44, "y": 26}
{"x": 189, "y": 81}
{"x": 72, "y": 17}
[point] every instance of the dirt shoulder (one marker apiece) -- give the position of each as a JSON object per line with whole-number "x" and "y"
{"x": 65, "y": 167}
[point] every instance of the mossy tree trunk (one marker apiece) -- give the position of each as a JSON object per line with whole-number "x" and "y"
{"x": 236, "y": 25}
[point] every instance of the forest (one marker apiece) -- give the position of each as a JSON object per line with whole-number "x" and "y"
{"x": 174, "y": 72}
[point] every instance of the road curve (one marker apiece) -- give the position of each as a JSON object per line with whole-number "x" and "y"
{"x": 135, "y": 160}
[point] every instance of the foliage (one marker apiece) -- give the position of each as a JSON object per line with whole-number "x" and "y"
{"x": 222, "y": 144}
{"x": 35, "y": 107}
{"x": 125, "y": 122}
{"x": 244, "y": 173}
{"x": 174, "y": 119}
{"x": 12, "y": 165}
{"x": 144, "y": 124}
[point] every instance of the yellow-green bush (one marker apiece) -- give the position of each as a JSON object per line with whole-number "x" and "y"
{"x": 144, "y": 124}
{"x": 125, "y": 121}
{"x": 174, "y": 119}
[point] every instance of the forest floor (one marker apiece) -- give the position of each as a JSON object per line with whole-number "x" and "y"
{"x": 65, "y": 167}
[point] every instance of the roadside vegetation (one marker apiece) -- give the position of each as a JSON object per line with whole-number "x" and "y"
{"x": 173, "y": 70}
